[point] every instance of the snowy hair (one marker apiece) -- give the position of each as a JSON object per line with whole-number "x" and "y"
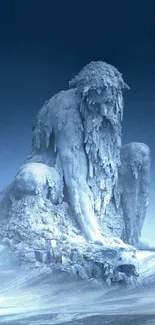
{"x": 98, "y": 75}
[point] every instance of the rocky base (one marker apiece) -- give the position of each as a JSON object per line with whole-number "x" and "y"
{"x": 42, "y": 235}
{"x": 86, "y": 260}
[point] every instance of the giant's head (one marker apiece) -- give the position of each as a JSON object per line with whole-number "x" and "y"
{"x": 100, "y": 87}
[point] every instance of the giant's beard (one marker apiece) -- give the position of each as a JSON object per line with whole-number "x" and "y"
{"x": 102, "y": 142}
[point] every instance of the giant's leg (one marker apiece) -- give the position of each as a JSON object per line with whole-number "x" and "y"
{"x": 70, "y": 144}
{"x": 134, "y": 177}
{"x": 75, "y": 174}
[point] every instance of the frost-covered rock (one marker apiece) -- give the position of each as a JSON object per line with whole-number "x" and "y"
{"x": 39, "y": 233}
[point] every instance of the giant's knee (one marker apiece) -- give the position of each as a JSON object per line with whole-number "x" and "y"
{"x": 37, "y": 179}
{"x": 31, "y": 179}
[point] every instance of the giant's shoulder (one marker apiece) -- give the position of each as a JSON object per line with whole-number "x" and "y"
{"x": 65, "y": 99}
{"x": 57, "y": 107}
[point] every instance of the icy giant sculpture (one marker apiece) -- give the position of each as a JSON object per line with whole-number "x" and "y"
{"x": 78, "y": 132}
{"x": 77, "y": 158}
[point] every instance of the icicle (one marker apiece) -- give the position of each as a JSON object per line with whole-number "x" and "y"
{"x": 121, "y": 104}
{"x": 85, "y": 90}
{"x": 98, "y": 204}
{"x": 47, "y": 135}
{"x": 99, "y": 91}
{"x": 55, "y": 147}
{"x": 121, "y": 114}
{"x": 102, "y": 184}
{"x": 91, "y": 173}
{"x": 117, "y": 107}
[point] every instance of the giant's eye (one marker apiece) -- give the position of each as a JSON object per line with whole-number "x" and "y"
{"x": 97, "y": 108}
{"x": 109, "y": 101}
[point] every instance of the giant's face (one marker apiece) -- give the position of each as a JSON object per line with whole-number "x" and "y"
{"x": 106, "y": 103}
{"x": 100, "y": 86}
{"x": 100, "y": 101}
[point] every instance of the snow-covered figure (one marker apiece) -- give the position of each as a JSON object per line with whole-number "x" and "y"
{"x": 78, "y": 132}
{"x": 78, "y": 184}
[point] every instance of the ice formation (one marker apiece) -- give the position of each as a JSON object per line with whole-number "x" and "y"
{"x": 79, "y": 189}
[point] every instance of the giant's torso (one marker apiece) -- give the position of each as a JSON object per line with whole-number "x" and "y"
{"x": 60, "y": 125}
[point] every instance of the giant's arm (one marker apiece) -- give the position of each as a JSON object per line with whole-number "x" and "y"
{"x": 74, "y": 163}
{"x": 42, "y": 148}
{"x": 134, "y": 179}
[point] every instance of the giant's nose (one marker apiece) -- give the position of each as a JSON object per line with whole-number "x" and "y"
{"x": 103, "y": 110}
